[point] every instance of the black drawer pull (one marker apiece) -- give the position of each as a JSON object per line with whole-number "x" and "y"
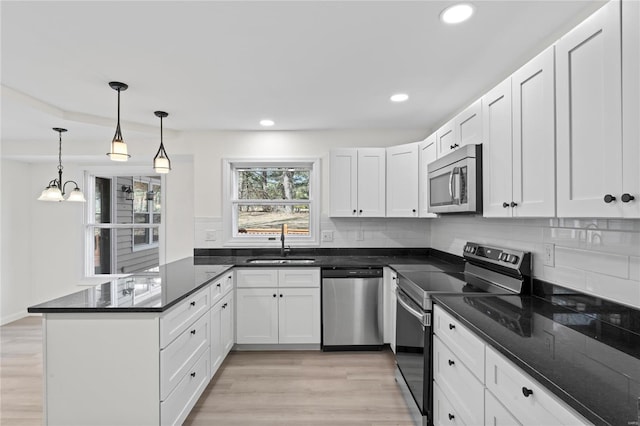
{"x": 505, "y": 205}
{"x": 451, "y": 416}
{"x": 526, "y": 392}
{"x": 451, "y": 362}
{"x": 627, "y": 197}
{"x": 452, "y": 326}
{"x": 513, "y": 204}
{"x": 193, "y": 374}
{"x": 193, "y": 303}
{"x": 193, "y": 332}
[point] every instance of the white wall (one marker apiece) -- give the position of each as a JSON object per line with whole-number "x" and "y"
{"x": 594, "y": 256}
{"x": 15, "y": 253}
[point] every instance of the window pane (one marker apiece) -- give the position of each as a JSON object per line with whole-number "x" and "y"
{"x": 156, "y": 218}
{"x": 102, "y": 201}
{"x": 140, "y": 203}
{"x": 101, "y": 251}
{"x": 268, "y": 219}
{"x": 157, "y": 199}
{"x": 156, "y": 235}
{"x": 141, "y": 236}
{"x": 275, "y": 183}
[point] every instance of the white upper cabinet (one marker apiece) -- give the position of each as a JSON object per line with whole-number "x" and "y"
{"x": 464, "y": 129}
{"x": 402, "y": 180}
{"x": 519, "y": 144}
{"x": 631, "y": 108}
{"x": 426, "y": 154}
{"x": 534, "y": 183}
{"x": 357, "y": 182}
{"x": 589, "y": 117}
{"x": 497, "y": 168}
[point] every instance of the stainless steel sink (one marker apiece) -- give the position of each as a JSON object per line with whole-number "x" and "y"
{"x": 281, "y": 261}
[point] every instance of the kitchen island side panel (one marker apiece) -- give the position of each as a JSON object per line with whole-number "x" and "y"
{"x": 101, "y": 369}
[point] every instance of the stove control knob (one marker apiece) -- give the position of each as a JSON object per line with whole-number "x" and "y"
{"x": 513, "y": 259}
{"x": 504, "y": 257}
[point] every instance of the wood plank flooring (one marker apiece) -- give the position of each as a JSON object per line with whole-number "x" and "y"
{"x": 251, "y": 388}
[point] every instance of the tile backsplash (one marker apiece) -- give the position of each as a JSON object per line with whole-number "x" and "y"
{"x": 595, "y": 256}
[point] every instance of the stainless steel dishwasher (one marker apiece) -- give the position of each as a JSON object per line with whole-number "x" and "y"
{"x": 352, "y": 309}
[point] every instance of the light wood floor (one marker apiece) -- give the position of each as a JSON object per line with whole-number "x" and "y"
{"x": 251, "y": 388}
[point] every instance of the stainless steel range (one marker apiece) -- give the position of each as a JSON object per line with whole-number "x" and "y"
{"x": 488, "y": 270}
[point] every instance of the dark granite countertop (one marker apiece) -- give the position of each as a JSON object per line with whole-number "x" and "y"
{"x": 156, "y": 290}
{"x": 584, "y": 350}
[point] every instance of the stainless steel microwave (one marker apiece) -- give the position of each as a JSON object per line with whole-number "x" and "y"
{"x": 455, "y": 181}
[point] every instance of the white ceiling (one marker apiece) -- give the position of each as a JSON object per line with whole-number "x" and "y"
{"x": 216, "y": 65}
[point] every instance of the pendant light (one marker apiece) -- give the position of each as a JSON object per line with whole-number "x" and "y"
{"x": 161, "y": 162}
{"x": 118, "y": 145}
{"x": 55, "y": 189}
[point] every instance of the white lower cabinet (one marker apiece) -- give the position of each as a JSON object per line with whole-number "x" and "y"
{"x": 221, "y": 331}
{"x": 490, "y": 390}
{"x": 389, "y": 306}
{"x": 281, "y": 309}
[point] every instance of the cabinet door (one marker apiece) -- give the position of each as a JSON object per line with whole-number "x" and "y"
{"x": 631, "y": 106}
{"x": 534, "y": 183}
{"x": 227, "y": 324}
{"x": 426, "y": 154}
{"x": 217, "y": 348}
{"x": 496, "y": 152}
{"x": 402, "y": 180}
{"x": 299, "y": 315}
{"x": 257, "y": 277}
{"x": 468, "y": 125}
{"x": 343, "y": 183}
{"x": 444, "y": 413}
{"x": 446, "y": 139}
{"x": 257, "y": 315}
{"x": 589, "y": 118}
{"x": 495, "y": 414}
{"x": 371, "y": 182}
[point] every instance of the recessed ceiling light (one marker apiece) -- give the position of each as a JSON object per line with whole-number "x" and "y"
{"x": 267, "y": 123}
{"x": 457, "y": 13}
{"x": 399, "y": 97}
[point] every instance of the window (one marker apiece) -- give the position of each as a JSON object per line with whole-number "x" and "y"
{"x": 265, "y": 198}
{"x": 123, "y": 226}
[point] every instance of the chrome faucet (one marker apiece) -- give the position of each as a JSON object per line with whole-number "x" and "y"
{"x": 283, "y": 251}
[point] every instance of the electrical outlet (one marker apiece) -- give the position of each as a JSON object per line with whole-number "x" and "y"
{"x": 327, "y": 236}
{"x": 360, "y": 235}
{"x": 549, "y": 255}
{"x": 210, "y": 235}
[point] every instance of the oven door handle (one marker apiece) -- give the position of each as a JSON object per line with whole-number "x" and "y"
{"x": 405, "y": 305}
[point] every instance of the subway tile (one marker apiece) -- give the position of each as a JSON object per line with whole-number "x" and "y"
{"x": 634, "y": 268}
{"x": 566, "y": 277}
{"x": 605, "y": 263}
{"x": 612, "y": 288}
{"x": 624, "y": 225}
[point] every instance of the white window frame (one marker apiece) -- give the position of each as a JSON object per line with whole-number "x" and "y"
{"x": 89, "y": 215}
{"x": 229, "y": 201}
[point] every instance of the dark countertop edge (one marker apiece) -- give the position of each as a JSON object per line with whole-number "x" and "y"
{"x": 540, "y": 378}
{"x": 37, "y": 309}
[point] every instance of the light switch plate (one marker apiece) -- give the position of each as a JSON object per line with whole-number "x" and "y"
{"x": 549, "y": 255}
{"x": 327, "y": 236}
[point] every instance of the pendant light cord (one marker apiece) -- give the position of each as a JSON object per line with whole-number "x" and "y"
{"x": 118, "y": 135}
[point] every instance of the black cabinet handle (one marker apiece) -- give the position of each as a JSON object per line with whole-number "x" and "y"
{"x": 414, "y": 210}
{"x": 274, "y": 295}
{"x": 193, "y": 332}
{"x": 452, "y": 326}
{"x": 451, "y": 416}
{"x": 609, "y": 198}
{"x": 354, "y": 210}
{"x": 360, "y": 211}
{"x": 451, "y": 362}
{"x": 513, "y": 204}
{"x": 218, "y": 285}
{"x": 627, "y": 197}
{"x": 224, "y": 306}
{"x": 280, "y": 295}
{"x": 526, "y": 392}
{"x": 505, "y": 205}
{"x": 193, "y": 303}
{"x": 193, "y": 374}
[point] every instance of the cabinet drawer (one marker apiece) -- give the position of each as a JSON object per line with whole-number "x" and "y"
{"x": 443, "y": 411}
{"x": 227, "y": 283}
{"x": 299, "y": 277}
{"x": 177, "y": 358}
{"x": 458, "y": 384}
{"x": 217, "y": 290}
{"x": 257, "y": 277}
{"x": 466, "y": 345}
{"x": 528, "y": 401}
{"x": 181, "y": 316}
{"x": 175, "y": 409}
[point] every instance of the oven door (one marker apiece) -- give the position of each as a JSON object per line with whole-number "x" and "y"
{"x": 413, "y": 350}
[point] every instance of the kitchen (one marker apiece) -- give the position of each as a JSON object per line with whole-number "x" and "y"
{"x": 593, "y": 255}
